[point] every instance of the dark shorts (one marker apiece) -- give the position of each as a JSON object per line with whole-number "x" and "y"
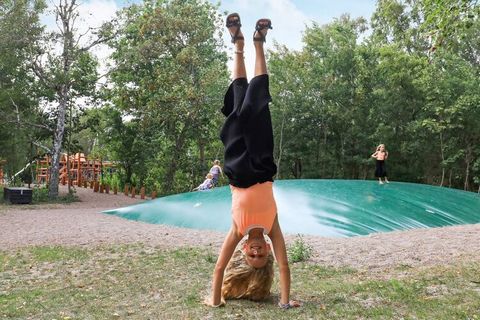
{"x": 380, "y": 169}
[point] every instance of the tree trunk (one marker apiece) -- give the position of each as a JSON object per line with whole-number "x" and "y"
{"x": 443, "y": 159}
{"x": 297, "y": 168}
{"x": 65, "y": 14}
{"x": 319, "y": 148}
{"x": 201, "y": 149}
{"x": 468, "y": 160}
{"x": 128, "y": 174}
{"x": 467, "y": 176}
{"x": 324, "y": 161}
{"x": 342, "y": 156}
{"x": 69, "y": 178}
{"x": 57, "y": 145}
{"x": 170, "y": 175}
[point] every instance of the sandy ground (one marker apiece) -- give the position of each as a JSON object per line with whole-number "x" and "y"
{"x": 82, "y": 223}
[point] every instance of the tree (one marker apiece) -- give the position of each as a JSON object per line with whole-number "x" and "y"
{"x": 20, "y": 115}
{"x": 66, "y": 74}
{"x": 169, "y": 75}
{"x": 446, "y": 20}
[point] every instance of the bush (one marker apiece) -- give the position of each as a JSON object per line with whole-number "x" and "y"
{"x": 115, "y": 181}
{"x": 39, "y": 194}
{"x": 299, "y": 250}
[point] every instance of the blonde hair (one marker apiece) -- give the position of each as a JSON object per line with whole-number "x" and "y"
{"x": 216, "y": 162}
{"x": 242, "y": 281}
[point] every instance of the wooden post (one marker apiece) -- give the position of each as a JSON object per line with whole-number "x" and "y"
{"x": 85, "y": 184}
{"x": 102, "y": 187}
{"x": 125, "y": 191}
{"x": 115, "y": 190}
{"x": 142, "y": 193}
{"x": 95, "y": 186}
{"x": 107, "y": 189}
{"x": 154, "y": 194}
{"x": 79, "y": 170}
{"x": 92, "y": 184}
{"x": 133, "y": 192}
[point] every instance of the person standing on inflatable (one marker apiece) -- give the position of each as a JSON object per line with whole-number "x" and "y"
{"x": 381, "y": 154}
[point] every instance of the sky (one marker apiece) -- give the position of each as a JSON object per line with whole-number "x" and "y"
{"x": 289, "y": 18}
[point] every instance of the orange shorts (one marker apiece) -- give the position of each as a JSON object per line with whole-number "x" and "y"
{"x": 254, "y": 207}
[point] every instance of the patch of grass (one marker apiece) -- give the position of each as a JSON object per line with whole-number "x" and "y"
{"x": 12, "y": 261}
{"x": 139, "y": 282}
{"x": 211, "y": 258}
{"x": 3, "y": 260}
{"x": 58, "y": 253}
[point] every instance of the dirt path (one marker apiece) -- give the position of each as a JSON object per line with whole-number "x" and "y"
{"x": 81, "y": 223}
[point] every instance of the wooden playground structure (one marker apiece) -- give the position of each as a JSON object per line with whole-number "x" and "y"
{"x": 85, "y": 173}
{"x": 82, "y": 170}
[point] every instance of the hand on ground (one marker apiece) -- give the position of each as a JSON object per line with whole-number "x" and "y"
{"x": 295, "y": 304}
{"x": 208, "y": 302}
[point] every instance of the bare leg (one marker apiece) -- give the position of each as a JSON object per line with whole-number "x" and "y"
{"x": 260, "y": 63}
{"x": 380, "y": 181}
{"x": 239, "y": 70}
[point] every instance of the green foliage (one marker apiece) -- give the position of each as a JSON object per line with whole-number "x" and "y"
{"x": 343, "y": 94}
{"x": 299, "y": 250}
{"x": 411, "y": 83}
{"x": 20, "y": 31}
{"x": 169, "y": 76}
{"x": 447, "y": 20}
{"x": 115, "y": 181}
{"x": 40, "y": 195}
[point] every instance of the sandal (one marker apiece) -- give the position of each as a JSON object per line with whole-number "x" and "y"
{"x": 233, "y": 20}
{"x": 262, "y": 24}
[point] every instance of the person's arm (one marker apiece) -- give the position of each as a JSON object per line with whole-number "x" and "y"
{"x": 221, "y": 171}
{"x": 228, "y": 247}
{"x": 374, "y": 155}
{"x": 386, "y": 155}
{"x": 280, "y": 251}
